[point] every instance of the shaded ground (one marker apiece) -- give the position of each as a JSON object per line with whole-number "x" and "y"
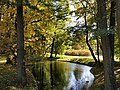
{"x": 99, "y": 79}
{"x": 8, "y": 79}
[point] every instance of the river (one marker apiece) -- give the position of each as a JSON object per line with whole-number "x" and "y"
{"x": 58, "y": 75}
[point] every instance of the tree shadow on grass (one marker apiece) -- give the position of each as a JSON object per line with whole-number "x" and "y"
{"x": 99, "y": 77}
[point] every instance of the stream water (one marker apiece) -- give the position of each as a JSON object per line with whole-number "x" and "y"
{"x": 58, "y": 75}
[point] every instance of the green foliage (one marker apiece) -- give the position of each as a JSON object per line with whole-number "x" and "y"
{"x": 117, "y": 48}
{"x": 60, "y": 42}
{"x": 44, "y": 18}
{"x": 39, "y": 26}
{"x": 102, "y": 32}
{"x": 7, "y": 32}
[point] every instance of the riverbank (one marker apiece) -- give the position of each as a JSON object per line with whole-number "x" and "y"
{"x": 8, "y": 79}
{"x": 99, "y": 79}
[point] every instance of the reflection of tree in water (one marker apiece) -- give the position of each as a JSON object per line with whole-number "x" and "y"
{"x": 59, "y": 77}
{"x": 38, "y": 72}
{"x": 77, "y": 73}
{"x": 81, "y": 83}
{"x": 50, "y": 76}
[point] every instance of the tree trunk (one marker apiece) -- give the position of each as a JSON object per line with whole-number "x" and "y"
{"x": 112, "y": 26}
{"x": 109, "y": 78}
{"x": 52, "y": 48}
{"x": 21, "y": 74}
{"x": 87, "y": 41}
{"x": 118, "y": 18}
{"x": 98, "y": 50}
{"x": 92, "y": 53}
{"x": 97, "y": 40}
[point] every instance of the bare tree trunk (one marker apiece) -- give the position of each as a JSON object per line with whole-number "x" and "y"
{"x": 98, "y": 45}
{"x": 87, "y": 41}
{"x": 52, "y": 48}
{"x": 118, "y": 18}
{"x": 21, "y": 74}
{"x": 97, "y": 39}
{"x": 109, "y": 78}
{"x": 91, "y": 51}
{"x": 112, "y": 26}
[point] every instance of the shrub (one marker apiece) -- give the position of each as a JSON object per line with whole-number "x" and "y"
{"x": 78, "y": 52}
{"x": 76, "y": 47}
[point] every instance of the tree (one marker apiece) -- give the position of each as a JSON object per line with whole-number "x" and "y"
{"x": 59, "y": 18}
{"x": 118, "y": 18}
{"x": 109, "y": 78}
{"x": 8, "y": 32}
{"x": 52, "y": 48}
{"x": 21, "y": 73}
{"x": 85, "y": 10}
{"x": 87, "y": 37}
{"x": 112, "y": 27}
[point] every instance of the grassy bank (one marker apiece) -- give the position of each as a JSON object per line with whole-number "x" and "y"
{"x": 87, "y": 60}
{"x": 99, "y": 77}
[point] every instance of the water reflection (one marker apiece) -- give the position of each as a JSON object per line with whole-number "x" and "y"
{"x": 62, "y": 76}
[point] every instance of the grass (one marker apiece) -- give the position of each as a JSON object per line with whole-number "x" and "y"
{"x": 2, "y": 59}
{"x": 78, "y": 59}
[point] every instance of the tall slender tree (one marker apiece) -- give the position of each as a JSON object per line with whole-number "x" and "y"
{"x": 118, "y": 18}
{"x": 112, "y": 26}
{"x": 109, "y": 78}
{"x": 52, "y": 47}
{"x": 87, "y": 41}
{"x": 87, "y": 34}
{"x": 21, "y": 74}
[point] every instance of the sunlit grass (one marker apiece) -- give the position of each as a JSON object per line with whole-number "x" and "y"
{"x": 2, "y": 59}
{"x": 80, "y": 59}
{"x": 86, "y": 58}
{"x": 78, "y": 56}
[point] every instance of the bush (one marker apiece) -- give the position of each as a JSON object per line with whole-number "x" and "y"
{"x": 78, "y": 52}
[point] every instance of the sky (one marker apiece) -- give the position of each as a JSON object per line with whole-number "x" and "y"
{"x": 73, "y": 17}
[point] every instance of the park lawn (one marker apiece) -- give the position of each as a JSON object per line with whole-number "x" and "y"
{"x": 88, "y": 60}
